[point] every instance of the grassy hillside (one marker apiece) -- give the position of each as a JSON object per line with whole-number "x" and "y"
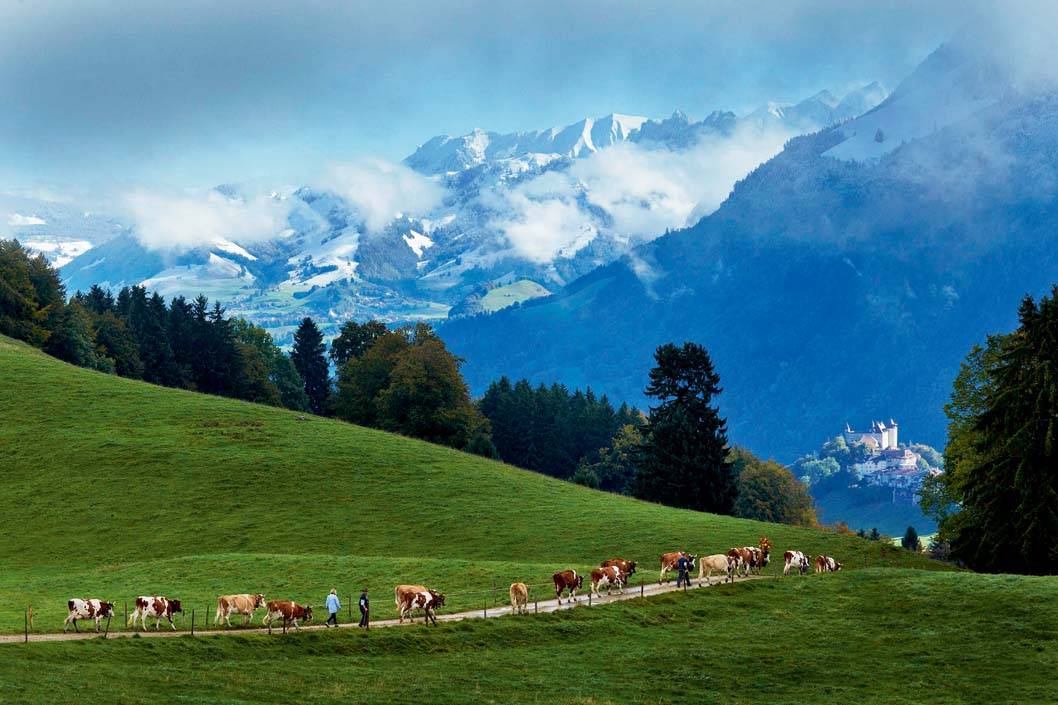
{"x": 115, "y": 488}
{"x": 867, "y": 637}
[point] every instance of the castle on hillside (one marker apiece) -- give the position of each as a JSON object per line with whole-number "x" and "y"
{"x": 886, "y": 463}
{"x": 880, "y": 437}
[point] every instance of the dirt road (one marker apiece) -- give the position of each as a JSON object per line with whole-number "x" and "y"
{"x": 631, "y": 593}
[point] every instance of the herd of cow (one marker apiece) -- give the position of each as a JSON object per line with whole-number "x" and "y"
{"x": 611, "y": 574}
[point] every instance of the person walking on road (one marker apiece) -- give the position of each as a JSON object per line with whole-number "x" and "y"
{"x": 683, "y": 564}
{"x": 365, "y": 607}
{"x": 333, "y": 605}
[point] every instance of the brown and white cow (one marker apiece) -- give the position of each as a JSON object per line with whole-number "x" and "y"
{"x": 609, "y": 577}
{"x": 720, "y": 563}
{"x": 797, "y": 561}
{"x": 744, "y": 558}
{"x": 519, "y": 598}
{"x": 628, "y": 568}
{"x": 238, "y": 604}
{"x": 87, "y": 609}
{"x": 155, "y": 606}
{"x": 567, "y": 580}
{"x": 418, "y": 597}
{"x": 287, "y": 610}
{"x": 671, "y": 561}
{"x": 826, "y": 564}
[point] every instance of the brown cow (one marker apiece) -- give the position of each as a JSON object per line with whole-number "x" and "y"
{"x": 567, "y": 580}
{"x": 519, "y": 598}
{"x": 608, "y": 577}
{"x": 155, "y": 606}
{"x": 670, "y": 561}
{"x": 826, "y": 564}
{"x": 238, "y": 604}
{"x": 628, "y": 568}
{"x": 744, "y": 557}
{"x": 289, "y": 611}
{"x": 418, "y": 597}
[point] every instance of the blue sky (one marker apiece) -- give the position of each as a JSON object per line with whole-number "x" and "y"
{"x": 113, "y": 93}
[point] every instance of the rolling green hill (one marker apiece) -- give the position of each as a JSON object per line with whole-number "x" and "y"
{"x": 116, "y": 488}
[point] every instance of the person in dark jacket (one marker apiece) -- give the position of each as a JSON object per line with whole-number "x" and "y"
{"x": 684, "y": 565}
{"x": 365, "y": 608}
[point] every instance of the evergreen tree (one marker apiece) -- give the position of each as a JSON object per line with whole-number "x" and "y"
{"x": 72, "y": 339}
{"x": 1003, "y": 446}
{"x": 910, "y": 540}
{"x": 30, "y": 294}
{"x": 684, "y": 460}
{"x": 308, "y": 358}
{"x": 117, "y": 342}
{"x": 874, "y": 535}
{"x": 354, "y": 339}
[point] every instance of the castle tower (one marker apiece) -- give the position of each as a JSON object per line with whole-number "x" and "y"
{"x": 892, "y": 433}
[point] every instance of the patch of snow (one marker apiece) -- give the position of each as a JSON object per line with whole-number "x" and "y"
{"x": 417, "y": 242}
{"x": 232, "y": 249}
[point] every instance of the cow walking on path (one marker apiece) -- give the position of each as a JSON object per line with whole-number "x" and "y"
{"x": 156, "y": 606}
{"x": 720, "y": 563}
{"x": 289, "y": 611}
{"x": 238, "y": 604}
{"x": 87, "y": 609}
{"x": 567, "y": 580}
{"x": 519, "y": 598}
{"x": 418, "y": 597}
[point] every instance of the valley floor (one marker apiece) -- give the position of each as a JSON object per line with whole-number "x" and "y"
{"x": 866, "y": 636}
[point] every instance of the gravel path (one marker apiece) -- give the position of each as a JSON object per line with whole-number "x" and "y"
{"x": 631, "y": 593}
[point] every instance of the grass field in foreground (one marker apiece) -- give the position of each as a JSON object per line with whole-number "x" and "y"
{"x": 114, "y": 488}
{"x": 872, "y": 636}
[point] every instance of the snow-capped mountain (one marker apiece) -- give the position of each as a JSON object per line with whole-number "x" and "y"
{"x": 521, "y": 215}
{"x": 60, "y": 230}
{"x": 851, "y": 272}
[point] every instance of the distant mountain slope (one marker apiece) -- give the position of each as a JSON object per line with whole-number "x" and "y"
{"x": 825, "y": 288}
{"x": 543, "y": 206}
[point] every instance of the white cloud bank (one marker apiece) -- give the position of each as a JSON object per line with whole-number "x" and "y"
{"x": 642, "y": 190}
{"x": 380, "y": 190}
{"x": 182, "y": 220}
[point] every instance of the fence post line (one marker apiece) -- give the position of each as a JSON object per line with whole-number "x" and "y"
{"x": 192, "y": 622}
{"x": 589, "y": 598}
{"x": 106, "y": 632}
{"x": 26, "y": 615}
{"x": 536, "y": 607}
{"x": 494, "y": 591}
{"x": 485, "y": 608}
{"x": 350, "y": 607}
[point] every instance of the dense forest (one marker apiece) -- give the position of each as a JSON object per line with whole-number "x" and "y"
{"x": 406, "y": 381}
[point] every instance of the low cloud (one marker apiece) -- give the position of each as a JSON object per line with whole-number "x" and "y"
{"x": 630, "y": 191}
{"x": 182, "y": 220}
{"x": 380, "y": 190}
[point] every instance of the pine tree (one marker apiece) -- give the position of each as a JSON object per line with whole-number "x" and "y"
{"x": 684, "y": 460}
{"x": 1007, "y": 449}
{"x": 308, "y": 358}
{"x": 910, "y": 540}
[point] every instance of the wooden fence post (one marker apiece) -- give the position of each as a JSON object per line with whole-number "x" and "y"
{"x": 536, "y": 607}
{"x": 192, "y": 622}
{"x": 485, "y": 608}
{"x": 26, "y": 615}
{"x": 589, "y": 598}
{"x": 350, "y": 608}
{"x": 106, "y": 633}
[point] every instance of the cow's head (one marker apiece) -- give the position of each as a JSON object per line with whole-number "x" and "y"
{"x": 579, "y": 581}
{"x": 308, "y": 614}
{"x": 438, "y": 599}
{"x": 106, "y": 609}
{"x": 258, "y": 600}
{"x": 631, "y": 567}
{"x": 174, "y": 606}
{"x": 691, "y": 558}
{"x": 837, "y": 566}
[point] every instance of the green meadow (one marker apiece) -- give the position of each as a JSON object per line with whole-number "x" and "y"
{"x": 116, "y": 488}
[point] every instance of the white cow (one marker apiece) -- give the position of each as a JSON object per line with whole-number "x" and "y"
{"x": 155, "y": 606}
{"x": 719, "y": 562}
{"x": 87, "y": 609}
{"x": 796, "y": 560}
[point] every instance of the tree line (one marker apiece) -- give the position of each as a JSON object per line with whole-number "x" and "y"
{"x": 407, "y": 382}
